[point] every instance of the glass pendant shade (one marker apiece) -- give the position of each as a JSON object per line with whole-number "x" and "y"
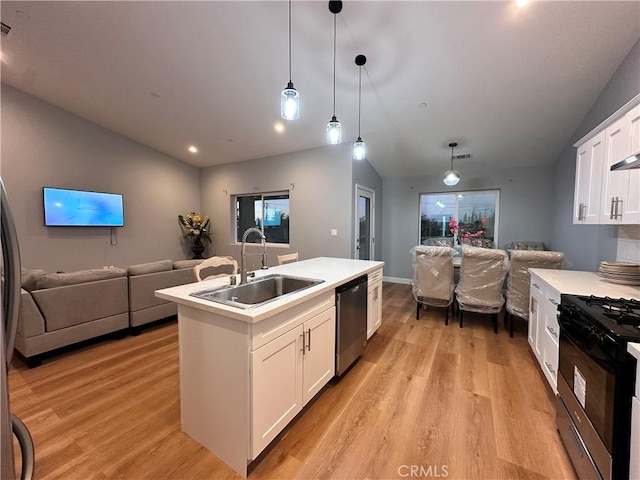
{"x": 334, "y": 131}
{"x": 359, "y": 150}
{"x": 451, "y": 178}
{"x": 290, "y": 103}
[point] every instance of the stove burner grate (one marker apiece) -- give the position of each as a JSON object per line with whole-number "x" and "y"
{"x": 623, "y": 311}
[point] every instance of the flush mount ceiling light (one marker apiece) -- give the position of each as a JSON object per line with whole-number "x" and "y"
{"x": 359, "y": 150}
{"x": 334, "y": 129}
{"x": 290, "y": 98}
{"x": 451, "y": 177}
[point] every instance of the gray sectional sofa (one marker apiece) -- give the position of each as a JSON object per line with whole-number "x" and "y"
{"x": 60, "y": 309}
{"x": 145, "y": 279}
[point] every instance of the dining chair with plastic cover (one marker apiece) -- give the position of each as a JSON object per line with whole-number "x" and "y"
{"x": 215, "y": 267}
{"x": 518, "y": 279}
{"x": 433, "y": 277}
{"x": 287, "y": 258}
{"x": 482, "y": 274}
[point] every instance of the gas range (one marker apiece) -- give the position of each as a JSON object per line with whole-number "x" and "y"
{"x": 616, "y": 317}
{"x": 596, "y": 380}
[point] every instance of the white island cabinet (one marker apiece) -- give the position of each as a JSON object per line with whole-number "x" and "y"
{"x": 374, "y": 302}
{"x": 246, "y": 373}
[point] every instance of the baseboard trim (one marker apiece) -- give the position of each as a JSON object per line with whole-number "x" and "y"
{"x": 405, "y": 281}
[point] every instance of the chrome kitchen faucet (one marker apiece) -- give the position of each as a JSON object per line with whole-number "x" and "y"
{"x": 243, "y": 271}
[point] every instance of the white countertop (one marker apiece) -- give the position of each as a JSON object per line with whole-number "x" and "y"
{"x": 634, "y": 349}
{"x": 585, "y": 283}
{"x": 334, "y": 272}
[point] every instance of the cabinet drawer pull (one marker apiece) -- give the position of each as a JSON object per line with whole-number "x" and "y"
{"x": 553, "y": 301}
{"x": 536, "y": 285}
{"x": 552, "y": 331}
{"x": 549, "y": 367}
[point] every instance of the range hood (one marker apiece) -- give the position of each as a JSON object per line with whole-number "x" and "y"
{"x": 628, "y": 163}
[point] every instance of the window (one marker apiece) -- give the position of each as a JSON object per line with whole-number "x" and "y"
{"x": 460, "y": 218}
{"x": 268, "y": 212}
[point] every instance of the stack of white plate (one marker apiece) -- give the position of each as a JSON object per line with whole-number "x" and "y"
{"x": 620, "y": 272}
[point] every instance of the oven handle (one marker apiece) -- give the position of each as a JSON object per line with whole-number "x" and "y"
{"x": 604, "y": 361}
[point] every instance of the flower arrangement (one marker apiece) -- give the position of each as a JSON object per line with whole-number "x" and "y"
{"x": 466, "y": 234}
{"x": 196, "y": 228}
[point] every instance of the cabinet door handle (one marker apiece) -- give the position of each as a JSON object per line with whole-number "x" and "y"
{"x": 611, "y": 213}
{"x": 303, "y": 343}
{"x": 309, "y": 343}
{"x": 580, "y": 210}
{"x": 618, "y": 209}
{"x": 533, "y": 305}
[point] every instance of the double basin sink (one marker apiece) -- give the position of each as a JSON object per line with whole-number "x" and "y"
{"x": 258, "y": 291}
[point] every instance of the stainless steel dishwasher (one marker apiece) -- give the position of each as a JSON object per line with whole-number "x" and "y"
{"x": 351, "y": 322}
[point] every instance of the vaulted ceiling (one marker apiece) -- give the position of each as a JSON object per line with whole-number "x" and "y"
{"x": 509, "y": 84}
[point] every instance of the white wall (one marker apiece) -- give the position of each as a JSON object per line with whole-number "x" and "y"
{"x": 585, "y": 246}
{"x": 43, "y": 145}
{"x": 320, "y": 186}
{"x": 525, "y": 209}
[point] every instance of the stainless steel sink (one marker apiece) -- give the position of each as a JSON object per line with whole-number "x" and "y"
{"x": 257, "y": 292}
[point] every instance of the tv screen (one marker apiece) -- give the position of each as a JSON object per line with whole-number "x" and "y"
{"x": 77, "y": 208}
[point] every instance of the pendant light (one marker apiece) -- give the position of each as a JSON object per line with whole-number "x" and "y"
{"x": 290, "y": 98}
{"x": 334, "y": 129}
{"x": 451, "y": 177}
{"x": 359, "y": 150}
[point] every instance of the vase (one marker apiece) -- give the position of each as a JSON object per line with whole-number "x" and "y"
{"x": 197, "y": 250}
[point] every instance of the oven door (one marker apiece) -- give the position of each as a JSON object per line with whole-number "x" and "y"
{"x": 587, "y": 386}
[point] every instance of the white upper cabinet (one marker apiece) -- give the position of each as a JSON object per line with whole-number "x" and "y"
{"x": 621, "y": 193}
{"x": 588, "y": 193}
{"x": 603, "y": 196}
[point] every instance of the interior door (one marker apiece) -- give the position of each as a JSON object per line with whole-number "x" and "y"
{"x": 364, "y": 227}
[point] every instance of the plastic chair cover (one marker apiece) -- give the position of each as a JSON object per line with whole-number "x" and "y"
{"x": 482, "y": 274}
{"x": 433, "y": 275}
{"x": 519, "y": 277}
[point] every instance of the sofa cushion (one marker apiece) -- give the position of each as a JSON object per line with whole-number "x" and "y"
{"x": 152, "y": 267}
{"x": 178, "y": 264}
{"x": 70, "y": 305}
{"x": 52, "y": 280}
{"x": 30, "y": 277}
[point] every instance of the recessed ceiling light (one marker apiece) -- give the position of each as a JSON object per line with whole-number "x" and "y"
{"x": 422, "y": 105}
{"x": 193, "y": 149}
{"x": 522, "y": 3}
{"x": 278, "y": 127}
{"x": 230, "y": 140}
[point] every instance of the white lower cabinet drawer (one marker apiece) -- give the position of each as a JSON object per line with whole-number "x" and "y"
{"x": 550, "y": 361}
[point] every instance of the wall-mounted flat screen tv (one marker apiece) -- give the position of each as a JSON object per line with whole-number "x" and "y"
{"x": 77, "y": 208}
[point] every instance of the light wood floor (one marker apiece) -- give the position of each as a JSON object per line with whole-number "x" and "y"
{"x": 449, "y": 402}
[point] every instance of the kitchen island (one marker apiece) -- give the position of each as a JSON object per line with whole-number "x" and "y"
{"x": 246, "y": 373}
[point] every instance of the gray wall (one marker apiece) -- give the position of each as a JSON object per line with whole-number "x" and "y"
{"x": 320, "y": 185}
{"x": 586, "y": 245}
{"x": 43, "y": 145}
{"x": 525, "y": 203}
{"x": 365, "y": 175}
